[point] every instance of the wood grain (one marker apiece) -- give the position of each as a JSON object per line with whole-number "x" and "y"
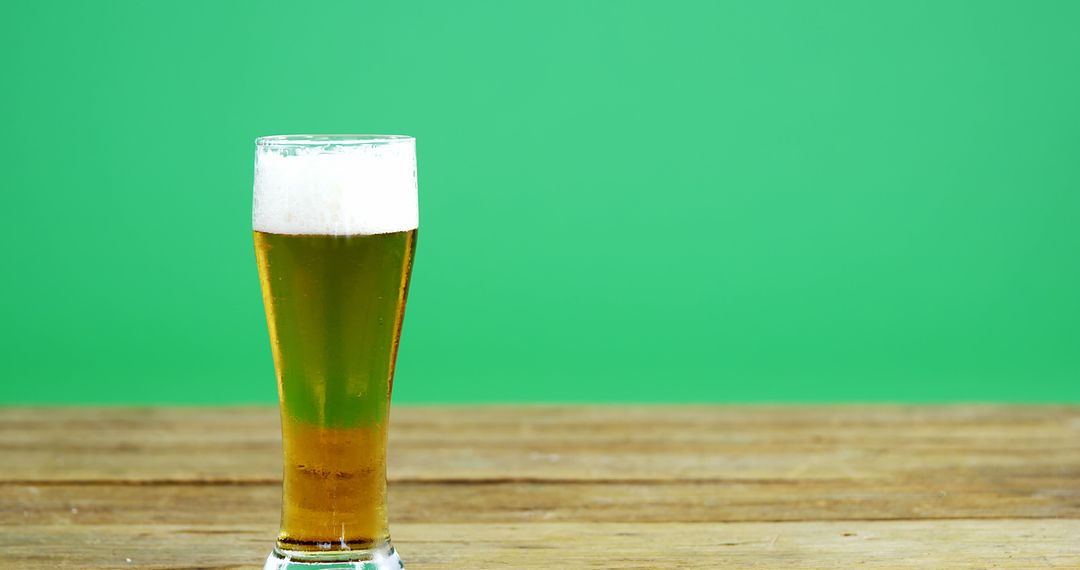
{"x": 554, "y": 502}
{"x": 560, "y": 443}
{"x": 587, "y": 487}
{"x": 954, "y": 544}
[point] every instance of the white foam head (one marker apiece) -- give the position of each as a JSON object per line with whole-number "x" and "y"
{"x": 335, "y": 184}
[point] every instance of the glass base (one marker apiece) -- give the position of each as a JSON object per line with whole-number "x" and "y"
{"x": 382, "y": 558}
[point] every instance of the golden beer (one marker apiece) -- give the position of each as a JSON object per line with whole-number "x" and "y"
{"x": 334, "y": 306}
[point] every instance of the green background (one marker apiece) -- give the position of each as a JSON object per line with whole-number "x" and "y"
{"x": 620, "y": 201}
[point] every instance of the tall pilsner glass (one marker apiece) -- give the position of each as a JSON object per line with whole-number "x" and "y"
{"x": 335, "y": 220}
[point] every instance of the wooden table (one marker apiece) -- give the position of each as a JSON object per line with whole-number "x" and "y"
{"x": 566, "y": 487}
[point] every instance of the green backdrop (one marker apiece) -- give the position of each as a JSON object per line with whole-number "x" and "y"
{"x": 620, "y": 201}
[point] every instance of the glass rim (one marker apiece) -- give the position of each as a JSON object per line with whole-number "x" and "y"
{"x": 331, "y": 140}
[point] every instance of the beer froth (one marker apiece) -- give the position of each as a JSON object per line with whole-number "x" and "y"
{"x": 362, "y": 187}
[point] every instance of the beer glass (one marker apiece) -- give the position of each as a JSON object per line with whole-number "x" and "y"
{"x": 335, "y": 220}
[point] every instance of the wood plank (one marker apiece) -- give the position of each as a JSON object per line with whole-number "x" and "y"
{"x": 933, "y": 444}
{"x": 590, "y": 487}
{"x": 954, "y": 544}
{"x": 67, "y": 505}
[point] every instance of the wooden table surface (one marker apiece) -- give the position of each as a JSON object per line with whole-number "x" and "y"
{"x": 949, "y": 487}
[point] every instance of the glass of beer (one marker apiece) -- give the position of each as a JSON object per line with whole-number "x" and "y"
{"x": 335, "y": 220}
